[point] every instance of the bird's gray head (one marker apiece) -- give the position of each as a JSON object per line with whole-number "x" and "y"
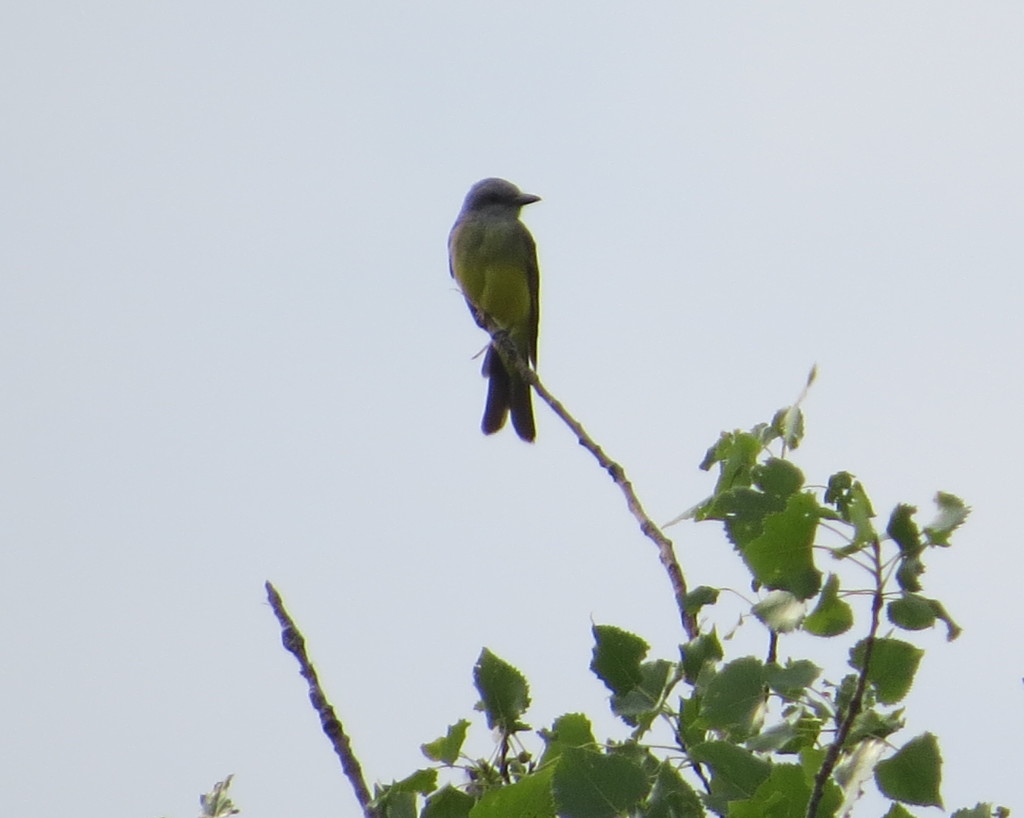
{"x": 496, "y": 196}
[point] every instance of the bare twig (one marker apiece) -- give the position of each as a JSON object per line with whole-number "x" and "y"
{"x": 666, "y": 551}
{"x": 773, "y": 646}
{"x": 857, "y": 700}
{"x": 295, "y": 643}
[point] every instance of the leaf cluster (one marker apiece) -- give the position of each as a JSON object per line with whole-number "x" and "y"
{"x": 747, "y": 736}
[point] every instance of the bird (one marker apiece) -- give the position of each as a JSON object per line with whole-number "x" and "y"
{"x": 493, "y": 258}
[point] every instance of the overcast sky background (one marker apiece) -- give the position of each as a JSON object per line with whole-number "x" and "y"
{"x": 231, "y": 351}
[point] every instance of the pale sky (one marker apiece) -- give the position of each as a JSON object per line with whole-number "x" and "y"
{"x": 231, "y": 352}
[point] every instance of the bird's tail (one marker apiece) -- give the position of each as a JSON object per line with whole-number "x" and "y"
{"x": 506, "y": 392}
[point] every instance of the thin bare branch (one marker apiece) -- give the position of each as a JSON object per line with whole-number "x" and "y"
{"x": 295, "y": 643}
{"x": 666, "y": 550}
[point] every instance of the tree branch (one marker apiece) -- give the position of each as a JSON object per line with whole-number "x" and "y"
{"x": 666, "y": 551}
{"x": 295, "y": 643}
{"x": 857, "y": 700}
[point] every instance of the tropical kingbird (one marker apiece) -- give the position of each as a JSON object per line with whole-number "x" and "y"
{"x": 493, "y": 257}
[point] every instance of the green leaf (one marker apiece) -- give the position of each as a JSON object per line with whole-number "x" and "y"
{"x": 698, "y": 598}
{"x": 447, "y": 748}
{"x": 788, "y": 424}
{"x": 851, "y": 501}
{"x": 735, "y": 772}
{"x": 832, "y": 615}
{"x": 892, "y": 667}
{"x": 898, "y": 811}
{"x": 780, "y": 611}
{"x": 952, "y": 629}
{"x": 448, "y": 802}
{"x": 773, "y": 738}
{"x": 808, "y": 728}
{"x": 398, "y": 799}
{"x": 904, "y": 531}
{"x": 645, "y": 698}
{"x": 705, "y": 649}
{"x": 913, "y": 774}
{"x": 528, "y": 797}
{"x": 617, "y": 658}
{"x": 861, "y": 513}
{"x": 874, "y": 724}
{"x": 790, "y": 736}
{"x": 778, "y": 477}
{"x": 780, "y": 558}
{"x": 811, "y": 759}
{"x": 396, "y": 805}
{"x": 504, "y": 693}
{"x": 593, "y": 785}
{"x": 637, "y": 754}
{"x": 784, "y": 794}
{"x": 952, "y": 513}
{"x": 793, "y": 679}
{"x": 978, "y": 811}
{"x": 737, "y": 453}
{"x": 911, "y": 612}
{"x": 570, "y": 730}
{"x": 421, "y": 781}
{"x": 690, "y": 731}
{"x": 858, "y": 765}
{"x": 743, "y": 510}
{"x": 844, "y": 692}
{"x": 910, "y": 568}
{"x": 672, "y": 797}
{"x": 734, "y": 699}
{"x": 837, "y": 491}
{"x": 217, "y": 803}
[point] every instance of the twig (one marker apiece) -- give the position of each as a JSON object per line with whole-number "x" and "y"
{"x": 666, "y": 551}
{"x": 295, "y": 643}
{"x": 857, "y": 700}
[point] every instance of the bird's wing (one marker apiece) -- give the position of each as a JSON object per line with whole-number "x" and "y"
{"x": 533, "y": 281}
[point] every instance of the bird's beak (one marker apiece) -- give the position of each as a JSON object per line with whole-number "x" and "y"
{"x": 527, "y": 198}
